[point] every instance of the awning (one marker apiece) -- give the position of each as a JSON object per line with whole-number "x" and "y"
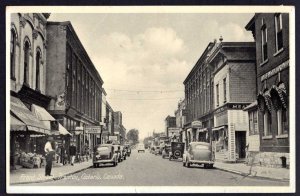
{"x": 264, "y": 101}
{"x": 201, "y": 130}
{"x": 18, "y": 108}
{"x": 42, "y": 114}
{"x": 218, "y": 128}
{"x": 16, "y": 125}
{"x": 252, "y": 105}
{"x": 279, "y": 92}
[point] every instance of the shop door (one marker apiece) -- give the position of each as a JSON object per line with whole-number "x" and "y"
{"x": 241, "y": 143}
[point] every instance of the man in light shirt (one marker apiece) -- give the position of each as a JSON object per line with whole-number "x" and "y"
{"x": 49, "y": 156}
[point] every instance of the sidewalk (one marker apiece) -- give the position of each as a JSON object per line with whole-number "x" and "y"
{"x": 282, "y": 174}
{"x": 25, "y": 176}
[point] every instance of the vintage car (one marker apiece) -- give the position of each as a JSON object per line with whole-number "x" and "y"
{"x": 166, "y": 151}
{"x": 105, "y": 154}
{"x": 176, "y": 151}
{"x": 157, "y": 150}
{"x": 123, "y": 152}
{"x": 199, "y": 153}
{"x": 128, "y": 150}
{"x": 141, "y": 148}
{"x": 118, "y": 152}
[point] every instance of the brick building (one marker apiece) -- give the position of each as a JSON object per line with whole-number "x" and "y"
{"x": 271, "y": 34}
{"x": 73, "y": 83}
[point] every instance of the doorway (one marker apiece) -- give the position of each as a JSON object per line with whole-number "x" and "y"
{"x": 240, "y": 143}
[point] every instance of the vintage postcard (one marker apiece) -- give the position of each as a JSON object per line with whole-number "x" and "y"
{"x": 152, "y": 99}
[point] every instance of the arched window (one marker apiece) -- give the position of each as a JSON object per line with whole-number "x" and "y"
{"x": 26, "y": 62}
{"x": 13, "y": 41}
{"x": 37, "y": 76}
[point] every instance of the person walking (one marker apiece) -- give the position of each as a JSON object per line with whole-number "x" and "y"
{"x": 72, "y": 151}
{"x": 49, "y": 156}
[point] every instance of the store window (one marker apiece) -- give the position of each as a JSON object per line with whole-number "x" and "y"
{"x": 253, "y": 124}
{"x": 278, "y": 29}
{"x": 267, "y": 123}
{"x": 282, "y": 121}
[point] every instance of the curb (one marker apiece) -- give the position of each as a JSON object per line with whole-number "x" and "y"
{"x": 51, "y": 179}
{"x": 252, "y": 176}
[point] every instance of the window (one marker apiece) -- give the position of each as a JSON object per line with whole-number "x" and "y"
{"x": 26, "y": 62}
{"x": 278, "y": 29}
{"x": 224, "y": 89}
{"x": 37, "y": 76}
{"x": 282, "y": 121}
{"x": 264, "y": 43}
{"x": 253, "y": 126}
{"x": 13, "y": 40}
{"x": 267, "y": 123}
{"x": 217, "y": 92}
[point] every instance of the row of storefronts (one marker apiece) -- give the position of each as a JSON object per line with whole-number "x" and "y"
{"x": 236, "y": 96}
{"x": 55, "y": 91}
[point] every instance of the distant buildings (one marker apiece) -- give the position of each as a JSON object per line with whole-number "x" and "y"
{"x": 119, "y": 129}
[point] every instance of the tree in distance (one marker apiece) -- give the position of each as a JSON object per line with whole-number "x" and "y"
{"x": 133, "y": 136}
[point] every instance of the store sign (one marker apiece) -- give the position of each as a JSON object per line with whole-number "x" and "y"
{"x": 174, "y": 130}
{"x": 92, "y": 129}
{"x": 196, "y": 124}
{"x": 232, "y": 106}
{"x": 113, "y": 138}
{"x": 274, "y": 71}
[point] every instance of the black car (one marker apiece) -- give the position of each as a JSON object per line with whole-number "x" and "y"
{"x": 177, "y": 149}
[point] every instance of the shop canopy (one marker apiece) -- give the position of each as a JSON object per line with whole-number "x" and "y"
{"x": 46, "y": 118}
{"x": 16, "y": 125}
{"x": 18, "y": 108}
{"x": 218, "y": 128}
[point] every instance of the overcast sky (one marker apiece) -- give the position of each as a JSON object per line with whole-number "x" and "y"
{"x": 150, "y": 52}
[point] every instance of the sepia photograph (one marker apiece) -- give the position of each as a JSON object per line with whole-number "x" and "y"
{"x": 152, "y": 99}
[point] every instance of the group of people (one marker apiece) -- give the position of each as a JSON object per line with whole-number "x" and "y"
{"x": 50, "y": 151}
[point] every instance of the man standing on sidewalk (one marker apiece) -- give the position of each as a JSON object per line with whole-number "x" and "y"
{"x": 49, "y": 156}
{"x": 72, "y": 151}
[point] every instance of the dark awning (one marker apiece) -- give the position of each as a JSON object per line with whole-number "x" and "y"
{"x": 18, "y": 108}
{"x": 279, "y": 92}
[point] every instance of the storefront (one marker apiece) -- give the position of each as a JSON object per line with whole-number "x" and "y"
{"x": 229, "y": 133}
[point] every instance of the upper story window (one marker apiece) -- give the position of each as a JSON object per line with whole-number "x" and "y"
{"x": 13, "y": 41}
{"x": 224, "y": 90}
{"x": 37, "y": 77}
{"x": 278, "y": 32}
{"x": 217, "y": 92}
{"x": 264, "y": 42}
{"x": 26, "y": 62}
{"x": 253, "y": 124}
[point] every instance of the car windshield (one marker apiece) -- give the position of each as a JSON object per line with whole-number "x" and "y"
{"x": 102, "y": 148}
{"x": 201, "y": 147}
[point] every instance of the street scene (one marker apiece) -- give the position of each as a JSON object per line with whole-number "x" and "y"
{"x": 149, "y": 99}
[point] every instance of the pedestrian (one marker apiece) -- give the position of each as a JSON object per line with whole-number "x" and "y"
{"x": 49, "y": 151}
{"x": 62, "y": 157}
{"x": 72, "y": 151}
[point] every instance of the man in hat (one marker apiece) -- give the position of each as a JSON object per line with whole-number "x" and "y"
{"x": 49, "y": 156}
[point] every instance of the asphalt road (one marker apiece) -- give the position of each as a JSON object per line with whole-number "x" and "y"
{"x": 146, "y": 169}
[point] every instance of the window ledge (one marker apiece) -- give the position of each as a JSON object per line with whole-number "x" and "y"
{"x": 267, "y": 137}
{"x": 278, "y": 52}
{"x": 282, "y": 136}
{"x": 264, "y": 62}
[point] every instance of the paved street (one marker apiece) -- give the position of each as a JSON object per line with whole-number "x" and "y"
{"x": 146, "y": 169}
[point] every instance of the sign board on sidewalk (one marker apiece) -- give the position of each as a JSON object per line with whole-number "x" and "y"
{"x": 92, "y": 129}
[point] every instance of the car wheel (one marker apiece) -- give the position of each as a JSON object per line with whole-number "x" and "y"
{"x": 205, "y": 166}
{"x": 170, "y": 158}
{"x": 211, "y": 166}
{"x": 124, "y": 158}
{"x": 183, "y": 163}
{"x": 95, "y": 165}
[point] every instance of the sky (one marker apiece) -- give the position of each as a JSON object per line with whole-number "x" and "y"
{"x": 144, "y": 58}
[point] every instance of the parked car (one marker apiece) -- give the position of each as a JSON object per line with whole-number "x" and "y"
{"x": 176, "y": 151}
{"x": 123, "y": 152}
{"x": 104, "y": 154}
{"x": 128, "y": 150}
{"x": 157, "y": 150}
{"x": 166, "y": 151}
{"x": 199, "y": 153}
{"x": 141, "y": 148}
{"x": 118, "y": 152}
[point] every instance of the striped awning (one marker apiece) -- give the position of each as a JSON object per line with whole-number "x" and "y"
{"x": 279, "y": 92}
{"x": 33, "y": 124}
{"x": 16, "y": 125}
